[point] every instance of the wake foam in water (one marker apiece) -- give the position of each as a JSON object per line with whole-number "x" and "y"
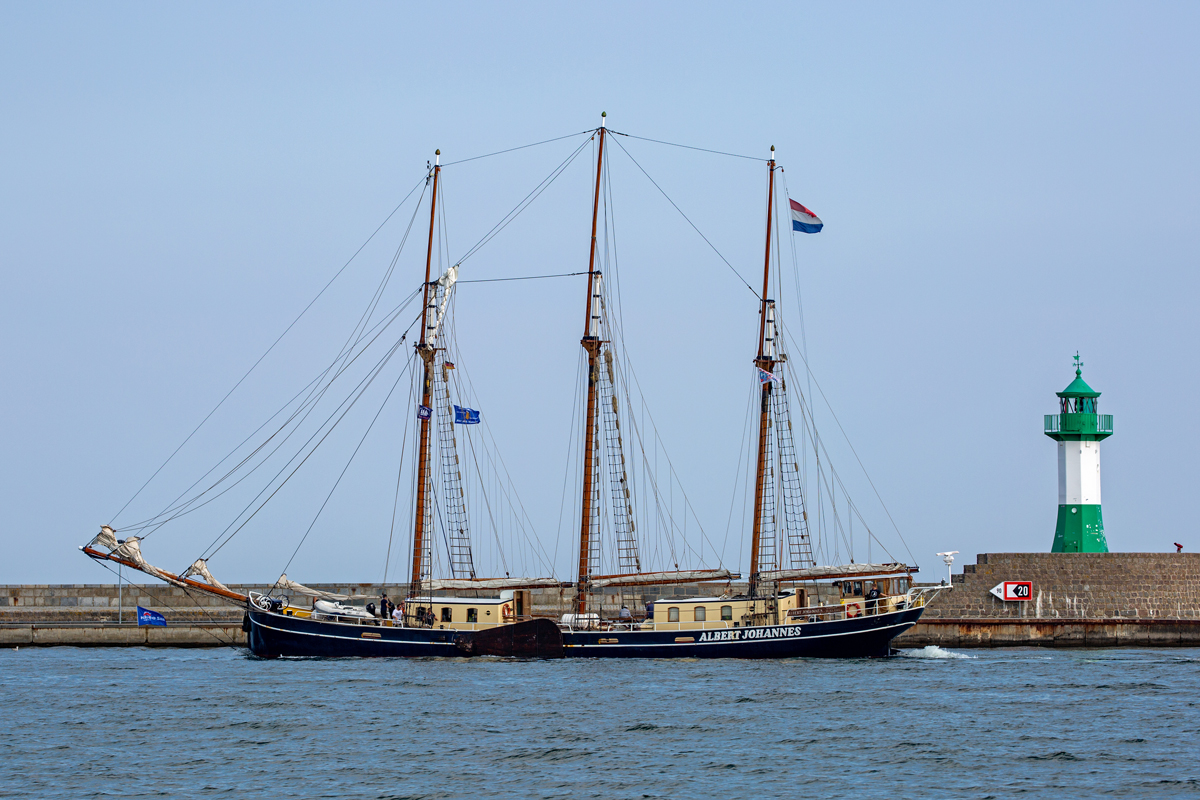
{"x": 933, "y": 651}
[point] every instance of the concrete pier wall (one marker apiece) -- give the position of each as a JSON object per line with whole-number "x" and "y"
{"x": 1078, "y": 600}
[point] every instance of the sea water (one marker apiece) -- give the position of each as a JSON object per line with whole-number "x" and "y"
{"x": 175, "y": 723}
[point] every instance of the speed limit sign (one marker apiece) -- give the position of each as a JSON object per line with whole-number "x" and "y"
{"x": 1013, "y": 591}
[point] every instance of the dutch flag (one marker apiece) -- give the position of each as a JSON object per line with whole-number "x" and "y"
{"x": 804, "y": 220}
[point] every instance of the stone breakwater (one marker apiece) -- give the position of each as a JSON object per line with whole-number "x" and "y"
{"x": 104, "y": 614}
{"x": 1077, "y": 600}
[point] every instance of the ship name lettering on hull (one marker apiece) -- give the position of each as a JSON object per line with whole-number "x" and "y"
{"x": 787, "y": 632}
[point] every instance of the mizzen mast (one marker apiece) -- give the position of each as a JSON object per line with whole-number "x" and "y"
{"x": 765, "y": 362}
{"x": 589, "y": 512}
{"x": 423, "y": 516}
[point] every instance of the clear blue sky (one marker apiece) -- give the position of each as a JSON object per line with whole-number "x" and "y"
{"x": 1001, "y": 184}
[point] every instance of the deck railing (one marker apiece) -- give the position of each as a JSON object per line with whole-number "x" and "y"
{"x": 1079, "y": 423}
{"x": 796, "y": 616}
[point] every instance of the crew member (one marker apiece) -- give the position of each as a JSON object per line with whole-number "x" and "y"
{"x": 873, "y": 599}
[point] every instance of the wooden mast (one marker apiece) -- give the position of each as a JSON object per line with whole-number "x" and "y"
{"x": 426, "y": 353}
{"x": 764, "y": 362}
{"x": 591, "y": 344}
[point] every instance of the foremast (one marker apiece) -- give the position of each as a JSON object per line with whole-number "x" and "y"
{"x": 589, "y": 513}
{"x": 425, "y": 350}
{"x": 765, "y": 363}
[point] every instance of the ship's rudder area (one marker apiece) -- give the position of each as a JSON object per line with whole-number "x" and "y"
{"x": 534, "y": 638}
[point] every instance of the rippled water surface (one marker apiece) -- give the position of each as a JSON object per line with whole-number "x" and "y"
{"x": 137, "y": 723}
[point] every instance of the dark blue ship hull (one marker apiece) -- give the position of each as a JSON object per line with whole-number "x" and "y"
{"x": 272, "y": 635}
{"x": 857, "y": 637}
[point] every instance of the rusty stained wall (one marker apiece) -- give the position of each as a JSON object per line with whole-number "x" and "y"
{"x": 1077, "y": 586}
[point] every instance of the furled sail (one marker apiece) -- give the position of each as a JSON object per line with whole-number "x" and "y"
{"x": 836, "y": 571}
{"x": 657, "y": 578}
{"x": 131, "y": 550}
{"x": 285, "y": 582}
{"x": 494, "y": 583}
{"x": 200, "y": 567}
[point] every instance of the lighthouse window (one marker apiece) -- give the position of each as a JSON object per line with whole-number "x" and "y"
{"x": 672, "y": 614}
{"x": 472, "y": 615}
{"x": 446, "y": 613}
{"x": 726, "y": 613}
{"x": 701, "y": 613}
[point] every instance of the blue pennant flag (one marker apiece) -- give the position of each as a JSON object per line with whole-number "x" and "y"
{"x": 465, "y": 416}
{"x": 424, "y": 412}
{"x": 148, "y": 617}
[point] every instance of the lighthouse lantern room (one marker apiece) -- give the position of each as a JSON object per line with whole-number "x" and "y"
{"x": 1078, "y": 429}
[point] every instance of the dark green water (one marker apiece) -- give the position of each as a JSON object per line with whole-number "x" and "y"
{"x": 140, "y": 723}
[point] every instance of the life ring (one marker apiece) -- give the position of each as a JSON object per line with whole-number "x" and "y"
{"x": 853, "y": 610}
{"x": 506, "y": 611}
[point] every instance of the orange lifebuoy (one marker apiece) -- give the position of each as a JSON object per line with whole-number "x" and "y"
{"x": 506, "y": 611}
{"x": 853, "y": 610}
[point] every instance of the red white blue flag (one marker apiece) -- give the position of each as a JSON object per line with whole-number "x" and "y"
{"x": 804, "y": 220}
{"x": 764, "y": 376}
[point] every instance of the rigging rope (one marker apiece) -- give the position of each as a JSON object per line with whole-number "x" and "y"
{"x": 855, "y": 452}
{"x": 348, "y": 463}
{"x": 523, "y": 278}
{"x": 525, "y": 202}
{"x": 687, "y": 219}
{"x": 514, "y": 149}
{"x": 269, "y": 349}
{"x": 688, "y": 147}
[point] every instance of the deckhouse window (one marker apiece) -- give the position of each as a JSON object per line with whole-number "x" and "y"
{"x": 701, "y": 613}
{"x": 726, "y": 613}
{"x": 672, "y": 614}
{"x": 447, "y": 613}
{"x": 472, "y": 615}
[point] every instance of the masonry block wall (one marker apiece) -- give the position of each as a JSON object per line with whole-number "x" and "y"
{"x": 1077, "y": 586}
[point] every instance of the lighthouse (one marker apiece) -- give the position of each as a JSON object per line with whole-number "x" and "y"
{"x": 1078, "y": 429}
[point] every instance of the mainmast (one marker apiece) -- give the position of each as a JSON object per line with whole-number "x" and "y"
{"x": 426, "y": 351}
{"x": 591, "y": 344}
{"x": 765, "y": 361}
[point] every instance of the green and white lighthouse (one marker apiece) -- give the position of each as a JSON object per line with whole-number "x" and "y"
{"x": 1078, "y": 430}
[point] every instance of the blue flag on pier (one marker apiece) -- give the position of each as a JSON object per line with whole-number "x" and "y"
{"x": 148, "y": 617}
{"x": 465, "y": 416}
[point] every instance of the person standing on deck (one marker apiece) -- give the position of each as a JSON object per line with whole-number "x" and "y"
{"x": 873, "y": 599}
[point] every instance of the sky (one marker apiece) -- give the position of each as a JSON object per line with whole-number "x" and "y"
{"x": 1002, "y": 186}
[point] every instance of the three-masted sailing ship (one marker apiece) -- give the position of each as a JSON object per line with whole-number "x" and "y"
{"x": 789, "y": 607}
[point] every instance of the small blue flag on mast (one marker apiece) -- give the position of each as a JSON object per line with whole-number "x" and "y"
{"x": 465, "y": 416}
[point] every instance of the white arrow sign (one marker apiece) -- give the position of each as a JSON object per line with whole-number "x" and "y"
{"x": 1011, "y": 591}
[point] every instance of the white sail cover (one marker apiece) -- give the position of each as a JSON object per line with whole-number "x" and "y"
{"x": 287, "y": 583}
{"x": 490, "y": 583}
{"x": 201, "y": 568}
{"x": 446, "y": 282}
{"x": 835, "y": 571}
{"x": 106, "y": 538}
{"x": 131, "y": 550}
{"x": 650, "y": 578}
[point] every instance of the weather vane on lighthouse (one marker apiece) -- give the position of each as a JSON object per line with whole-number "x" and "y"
{"x": 1078, "y": 429}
